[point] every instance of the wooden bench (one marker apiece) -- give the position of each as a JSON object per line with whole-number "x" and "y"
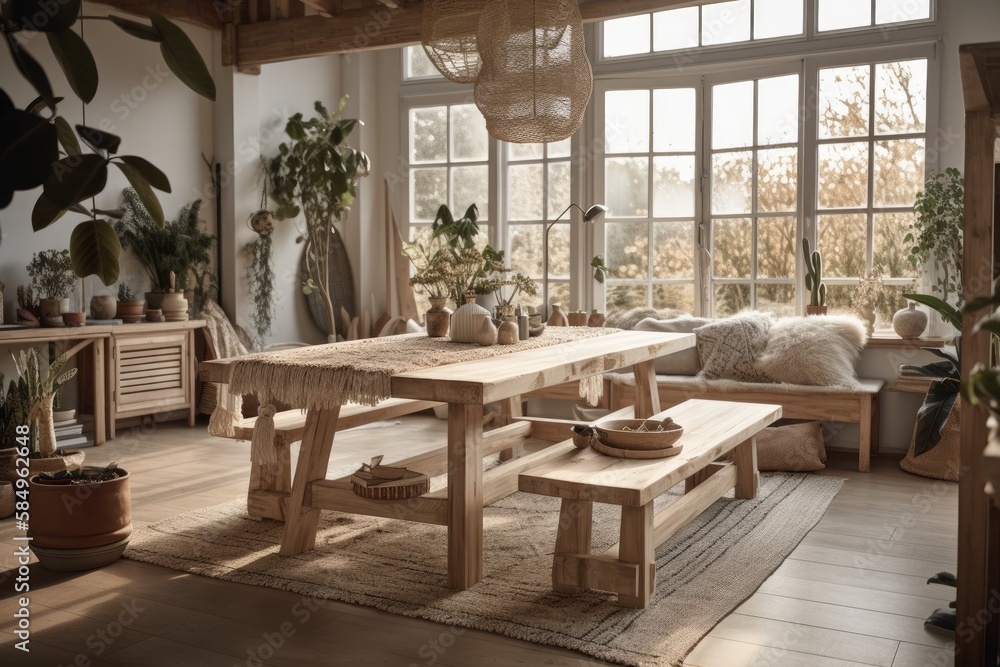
{"x": 711, "y": 430}
{"x": 271, "y": 483}
{"x": 836, "y": 404}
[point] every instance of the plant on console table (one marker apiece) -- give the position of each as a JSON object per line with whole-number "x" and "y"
{"x": 814, "y": 280}
{"x": 52, "y": 278}
{"x": 504, "y": 282}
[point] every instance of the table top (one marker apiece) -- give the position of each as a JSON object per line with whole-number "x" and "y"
{"x": 486, "y": 380}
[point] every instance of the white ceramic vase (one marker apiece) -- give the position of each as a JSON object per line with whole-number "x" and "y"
{"x": 466, "y": 321}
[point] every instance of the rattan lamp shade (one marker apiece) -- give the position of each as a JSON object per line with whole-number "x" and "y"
{"x": 449, "y": 34}
{"x": 536, "y": 80}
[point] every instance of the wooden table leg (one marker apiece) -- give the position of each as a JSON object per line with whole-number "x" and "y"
{"x": 301, "y": 521}
{"x": 647, "y": 396}
{"x": 100, "y": 382}
{"x": 273, "y": 478}
{"x": 576, "y": 521}
{"x": 745, "y": 460}
{"x": 510, "y": 408}
{"x": 465, "y": 495}
{"x": 637, "y": 546}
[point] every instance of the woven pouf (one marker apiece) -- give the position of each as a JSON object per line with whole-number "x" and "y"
{"x": 6, "y": 499}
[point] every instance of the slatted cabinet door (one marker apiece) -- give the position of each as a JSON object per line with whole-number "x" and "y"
{"x": 153, "y": 373}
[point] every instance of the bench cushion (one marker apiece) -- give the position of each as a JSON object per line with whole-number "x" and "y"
{"x": 861, "y": 386}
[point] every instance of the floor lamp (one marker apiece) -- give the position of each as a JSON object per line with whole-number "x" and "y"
{"x": 590, "y": 215}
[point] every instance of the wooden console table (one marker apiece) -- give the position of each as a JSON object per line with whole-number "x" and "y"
{"x": 131, "y": 369}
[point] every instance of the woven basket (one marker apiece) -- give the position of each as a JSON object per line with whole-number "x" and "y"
{"x": 6, "y": 499}
{"x": 535, "y": 81}
{"x": 448, "y": 31}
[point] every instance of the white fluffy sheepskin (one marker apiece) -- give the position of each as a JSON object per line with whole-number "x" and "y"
{"x": 816, "y": 350}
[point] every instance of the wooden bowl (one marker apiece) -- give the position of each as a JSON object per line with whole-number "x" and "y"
{"x": 626, "y": 433}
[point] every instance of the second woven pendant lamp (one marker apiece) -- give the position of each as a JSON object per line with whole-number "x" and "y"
{"x": 535, "y": 81}
{"x": 448, "y": 32}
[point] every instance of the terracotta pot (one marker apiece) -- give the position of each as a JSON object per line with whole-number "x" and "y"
{"x": 558, "y": 317}
{"x": 596, "y": 318}
{"x": 74, "y": 319}
{"x": 816, "y": 310}
{"x": 79, "y": 516}
{"x": 130, "y": 312}
{"x": 577, "y": 318}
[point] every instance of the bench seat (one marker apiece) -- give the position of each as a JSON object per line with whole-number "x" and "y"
{"x": 712, "y": 429}
{"x": 856, "y": 405}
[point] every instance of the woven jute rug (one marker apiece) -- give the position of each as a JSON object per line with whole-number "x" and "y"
{"x": 704, "y": 572}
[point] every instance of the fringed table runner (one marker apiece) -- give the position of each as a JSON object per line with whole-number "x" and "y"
{"x": 324, "y": 376}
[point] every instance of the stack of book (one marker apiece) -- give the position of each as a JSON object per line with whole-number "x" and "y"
{"x": 75, "y": 433}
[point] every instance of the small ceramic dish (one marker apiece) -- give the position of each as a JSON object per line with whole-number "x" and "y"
{"x": 639, "y": 433}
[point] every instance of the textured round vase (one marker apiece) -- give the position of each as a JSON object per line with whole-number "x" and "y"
{"x": 438, "y": 318}
{"x": 103, "y": 306}
{"x": 487, "y": 333}
{"x": 174, "y": 307}
{"x": 909, "y": 322}
{"x": 507, "y": 332}
{"x": 466, "y": 321}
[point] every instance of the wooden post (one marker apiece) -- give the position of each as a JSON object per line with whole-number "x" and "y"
{"x": 977, "y": 276}
{"x": 510, "y": 408}
{"x": 465, "y": 495}
{"x": 647, "y": 394}
{"x": 636, "y": 546}
{"x": 576, "y": 521}
{"x": 747, "y": 478}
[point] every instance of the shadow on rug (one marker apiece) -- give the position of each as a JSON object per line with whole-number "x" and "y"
{"x": 703, "y": 572}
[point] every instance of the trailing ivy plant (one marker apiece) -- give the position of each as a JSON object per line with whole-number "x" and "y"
{"x": 315, "y": 172}
{"x": 937, "y": 231}
{"x": 39, "y": 148}
{"x": 260, "y": 277}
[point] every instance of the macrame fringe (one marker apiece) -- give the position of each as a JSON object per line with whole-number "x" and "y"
{"x": 228, "y": 411}
{"x": 592, "y": 388}
{"x": 262, "y": 449}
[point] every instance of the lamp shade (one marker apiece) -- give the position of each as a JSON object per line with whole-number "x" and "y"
{"x": 535, "y": 81}
{"x": 448, "y": 32}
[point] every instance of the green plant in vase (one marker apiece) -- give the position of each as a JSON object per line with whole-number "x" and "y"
{"x": 505, "y": 283}
{"x": 52, "y": 278}
{"x": 937, "y": 232}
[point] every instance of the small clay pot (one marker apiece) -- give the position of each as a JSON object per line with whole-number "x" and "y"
{"x": 130, "y": 312}
{"x": 74, "y": 319}
{"x": 154, "y": 315}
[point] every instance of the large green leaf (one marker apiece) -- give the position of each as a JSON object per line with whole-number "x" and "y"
{"x": 136, "y": 29}
{"x": 945, "y": 309}
{"x": 95, "y": 250}
{"x": 74, "y": 179}
{"x": 933, "y": 414}
{"x": 149, "y": 171}
{"x": 36, "y": 105}
{"x": 146, "y": 194}
{"x": 182, "y": 57}
{"x": 99, "y": 140}
{"x": 45, "y": 15}
{"x": 67, "y": 138}
{"x": 76, "y": 61}
{"x": 30, "y": 70}
{"x": 28, "y": 147}
{"x": 45, "y": 213}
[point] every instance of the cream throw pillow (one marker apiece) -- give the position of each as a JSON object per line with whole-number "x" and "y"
{"x": 685, "y": 362}
{"x": 729, "y": 348}
{"x": 817, "y": 350}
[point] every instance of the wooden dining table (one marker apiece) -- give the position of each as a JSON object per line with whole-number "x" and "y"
{"x": 466, "y": 387}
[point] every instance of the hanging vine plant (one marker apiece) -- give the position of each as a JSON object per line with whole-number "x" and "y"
{"x": 260, "y": 274}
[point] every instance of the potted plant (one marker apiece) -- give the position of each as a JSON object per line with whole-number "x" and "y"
{"x": 868, "y": 297}
{"x": 27, "y": 305}
{"x": 52, "y": 278}
{"x": 178, "y": 246}
{"x": 80, "y": 519}
{"x": 814, "y": 280}
{"x": 937, "y": 234}
{"x": 129, "y": 306}
{"x": 316, "y": 172}
{"x": 29, "y": 401}
{"x": 504, "y": 282}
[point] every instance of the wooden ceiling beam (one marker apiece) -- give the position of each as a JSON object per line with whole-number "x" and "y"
{"x": 199, "y": 12}
{"x": 381, "y": 26}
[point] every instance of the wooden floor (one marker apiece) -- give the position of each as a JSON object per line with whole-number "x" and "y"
{"x": 852, "y": 593}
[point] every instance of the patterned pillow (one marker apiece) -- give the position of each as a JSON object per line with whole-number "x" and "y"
{"x": 729, "y": 348}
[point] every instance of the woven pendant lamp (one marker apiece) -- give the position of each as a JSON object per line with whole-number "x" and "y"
{"x": 536, "y": 80}
{"x": 448, "y": 32}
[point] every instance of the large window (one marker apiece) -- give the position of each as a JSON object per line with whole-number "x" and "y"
{"x": 871, "y": 135}
{"x": 841, "y": 14}
{"x": 539, "y": 182}
{"x": 650, "y": 188}
{"x": 754, "y": 194}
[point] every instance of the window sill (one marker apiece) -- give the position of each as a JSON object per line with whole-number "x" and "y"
{"x": 889, "y": 340}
